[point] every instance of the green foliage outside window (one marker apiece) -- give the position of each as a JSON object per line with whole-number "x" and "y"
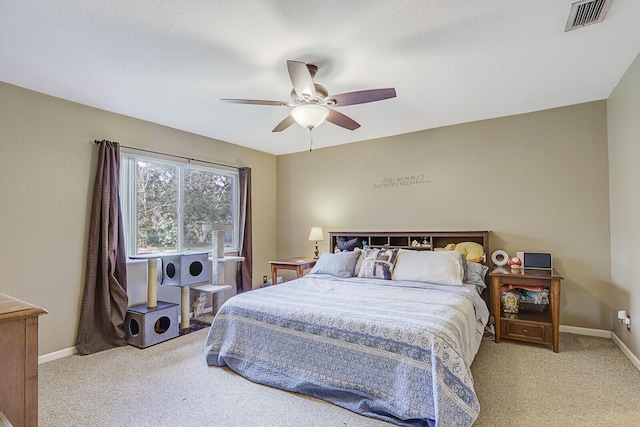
{"x": 207, "y": 201}
{"x": 157, "y": 207}
{"x": 207, "y": 198}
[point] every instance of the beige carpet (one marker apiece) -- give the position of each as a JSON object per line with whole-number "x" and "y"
{"x": 590, "y": 382}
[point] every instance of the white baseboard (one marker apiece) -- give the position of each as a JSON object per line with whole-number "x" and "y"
{"x": 57, "y": 355}
{"x": 601, "y": 333}
{"x": 192, "y": 314}
{"x": 72, "y": 350}
{"x": 625, "y": 350}
{"x": 205, "y": 310}
{"x": 604, "y": 334}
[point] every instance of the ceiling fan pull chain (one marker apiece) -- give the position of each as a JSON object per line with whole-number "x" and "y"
{"x": 310, "y": 139}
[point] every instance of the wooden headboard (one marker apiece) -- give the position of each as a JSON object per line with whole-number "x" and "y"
{"x": 427, "y": 240}
{"x": 431, "y": 239}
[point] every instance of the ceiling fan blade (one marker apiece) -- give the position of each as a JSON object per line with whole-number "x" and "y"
{"x": 341, "y": 120}
{"x": 363, "y": 96}
{"x": 256, "y": 102}
{"x": 288, "y": 121}
{"x": 301, "y": 79}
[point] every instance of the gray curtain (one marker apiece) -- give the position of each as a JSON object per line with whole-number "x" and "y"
{"x": 244, "y": 279}
{"x": 105, "y": 301}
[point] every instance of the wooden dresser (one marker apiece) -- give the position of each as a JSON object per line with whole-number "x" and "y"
{"x": 19, "y": 361}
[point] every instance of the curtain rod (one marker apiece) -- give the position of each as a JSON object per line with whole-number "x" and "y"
{"x": 173, "y": 155}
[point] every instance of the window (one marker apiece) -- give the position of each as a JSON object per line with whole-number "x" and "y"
{"x": 171, "y": 207}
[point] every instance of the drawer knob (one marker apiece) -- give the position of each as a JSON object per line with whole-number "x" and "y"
{"x": 525, "y": 330}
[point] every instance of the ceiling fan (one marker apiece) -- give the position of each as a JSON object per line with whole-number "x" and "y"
{"x": 311, "y": 102}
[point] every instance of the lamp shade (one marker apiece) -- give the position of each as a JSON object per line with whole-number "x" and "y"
{"x": 309, "y": 115}
{"x": 316, "y": 234}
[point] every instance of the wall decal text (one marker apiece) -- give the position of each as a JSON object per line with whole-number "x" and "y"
{"x": 401, "y": 181}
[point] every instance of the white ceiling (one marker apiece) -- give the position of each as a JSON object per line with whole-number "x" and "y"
{"x": 452, "y": 61}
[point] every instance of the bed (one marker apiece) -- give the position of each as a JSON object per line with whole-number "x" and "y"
{"x": 388, "y": 333}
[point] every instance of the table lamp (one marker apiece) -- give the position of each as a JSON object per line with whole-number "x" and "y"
{"x": 316, "y": 234}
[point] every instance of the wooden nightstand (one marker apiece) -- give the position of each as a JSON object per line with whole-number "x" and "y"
{"x": 297, "y": 264}
{"x": 535, "y": 327}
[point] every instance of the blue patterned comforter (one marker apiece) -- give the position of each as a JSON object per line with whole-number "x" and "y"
{"x": 396, "y": 351}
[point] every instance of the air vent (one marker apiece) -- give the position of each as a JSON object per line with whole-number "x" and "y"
{"x": 586, "y": 12}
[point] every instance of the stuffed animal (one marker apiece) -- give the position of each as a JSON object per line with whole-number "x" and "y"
{"x": 347, "y": 243}
{"x": 449, "y": 247}
{"x": 473, "y": 251}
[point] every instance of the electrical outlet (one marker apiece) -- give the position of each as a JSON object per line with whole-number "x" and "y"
{"x": 623, "y": 317}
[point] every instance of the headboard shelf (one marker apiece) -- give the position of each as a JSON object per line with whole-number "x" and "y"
{"x": 425, "y": 240}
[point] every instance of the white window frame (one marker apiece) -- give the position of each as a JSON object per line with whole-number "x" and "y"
{"x": 129, "y": 206}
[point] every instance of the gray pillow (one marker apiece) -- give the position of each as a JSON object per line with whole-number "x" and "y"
{"x": 340, "y": 264}
{"x": 475, "y": 275}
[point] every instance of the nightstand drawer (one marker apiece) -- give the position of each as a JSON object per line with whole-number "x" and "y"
{"x": 534, "y": 332}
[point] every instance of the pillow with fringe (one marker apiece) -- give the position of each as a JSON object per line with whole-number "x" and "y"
{"x": 378, "y": 263}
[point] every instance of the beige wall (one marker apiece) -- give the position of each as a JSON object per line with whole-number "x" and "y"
{"x": 47, "y": 170}
{"x": 623, "y": 109}
{"x": 538, "y": 181}
{"x": 555, "y": 162}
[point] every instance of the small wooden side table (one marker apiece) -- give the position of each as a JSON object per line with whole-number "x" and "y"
{"x": 534, "y": 327}
{"x": 298, "y": 264}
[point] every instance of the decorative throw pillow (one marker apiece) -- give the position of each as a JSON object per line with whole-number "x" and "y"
{"x": 378, "y": 263}
{"x": 341, "y": 264}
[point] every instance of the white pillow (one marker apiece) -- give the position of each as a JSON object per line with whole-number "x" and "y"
{"x": 442, "y": 267}
{"x": 356, "y": 271}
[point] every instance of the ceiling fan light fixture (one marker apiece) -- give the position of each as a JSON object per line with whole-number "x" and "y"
{"x": 310, "y": 101}
{"x": 310, "y": 115}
